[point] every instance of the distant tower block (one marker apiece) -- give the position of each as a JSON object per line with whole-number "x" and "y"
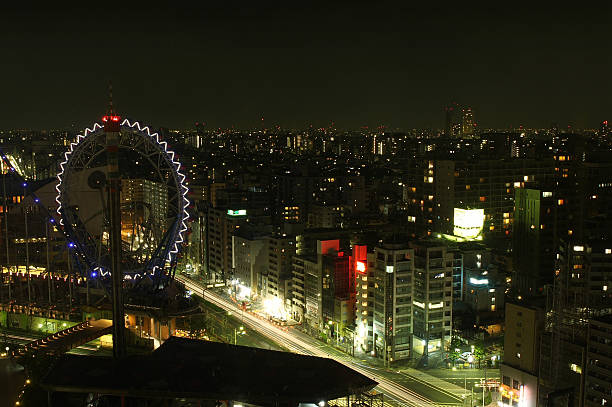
{"x": 450, "y": 111}
{"x": 467, "y": 122}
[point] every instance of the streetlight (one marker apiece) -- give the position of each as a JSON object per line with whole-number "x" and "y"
{"x": 242, "y": 332}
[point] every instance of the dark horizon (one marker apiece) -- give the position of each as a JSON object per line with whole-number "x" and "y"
{"x": 298, "y": 66}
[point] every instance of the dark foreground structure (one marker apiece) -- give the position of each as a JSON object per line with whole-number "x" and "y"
{"x": 186, "y": 372}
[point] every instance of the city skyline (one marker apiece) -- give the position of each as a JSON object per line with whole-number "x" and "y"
{"x": 298, "y": 66}
{"x": 318, "y": 205}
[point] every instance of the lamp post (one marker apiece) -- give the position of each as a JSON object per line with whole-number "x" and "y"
{"x": 242, "y": 332}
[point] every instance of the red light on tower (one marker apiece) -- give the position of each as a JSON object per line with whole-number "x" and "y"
{"x": 361, "y": 266}
{"x": 110, "y": 119}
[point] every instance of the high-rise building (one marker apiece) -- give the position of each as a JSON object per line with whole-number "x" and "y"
{"x": 411, "y": 308}
{"x": 432, "y": 296}
{"x": 578, "y": 297}
{"x": 433, "y": 189}
{"x": 298, "y": 296}
{"x": 450, "y": 112}
{"x": 281, "y": 250}
{"x": 313, "y": 282}
{"x": 142, "y": 202}
{"x": 534, "y": 233}
{"x": 324, "y": 290}
{"x": 393, "y": 301}
{"x": 222, "y": 225}
{"x": 467, "y": 122}
{"x": 598, "y": 375}
{"x": 520, "y": 368}
{"x": 249, "y": 260}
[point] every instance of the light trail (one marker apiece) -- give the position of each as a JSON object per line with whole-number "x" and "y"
{"x": 24, "y": 340}
{"x": 293, "y": 342}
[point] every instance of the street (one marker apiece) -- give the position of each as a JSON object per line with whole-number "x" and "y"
{"x": 403, "y": 388}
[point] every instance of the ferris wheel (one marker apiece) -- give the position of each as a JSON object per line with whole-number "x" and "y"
{"x": 153, "y": 203}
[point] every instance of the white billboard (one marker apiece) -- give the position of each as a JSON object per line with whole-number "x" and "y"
{"x": 468, "y": 223}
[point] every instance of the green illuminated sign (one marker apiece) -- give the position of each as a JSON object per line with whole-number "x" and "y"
{"x": 236, "y": 212}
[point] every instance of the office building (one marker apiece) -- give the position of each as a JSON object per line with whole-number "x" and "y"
{"x": 520, "y": 368}
{"x": 534, "y": 234}
{"x": 467, "y": 123}
{"x": 281, "y": 249}
{"x": 436, "y": 192}
{"x": 249, "y": 260}
{"x": 598, "y": 375}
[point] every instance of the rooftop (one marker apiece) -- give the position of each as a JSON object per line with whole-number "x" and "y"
{"x": 187, "y": 368}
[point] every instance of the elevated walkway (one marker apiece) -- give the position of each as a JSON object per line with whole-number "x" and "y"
{"x": 70, "y": 338}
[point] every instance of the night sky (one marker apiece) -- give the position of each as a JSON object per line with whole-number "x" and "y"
{"x": 367, "y": 65}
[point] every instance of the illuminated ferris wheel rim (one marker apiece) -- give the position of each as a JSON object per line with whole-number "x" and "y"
{"x": 174, "y": 165}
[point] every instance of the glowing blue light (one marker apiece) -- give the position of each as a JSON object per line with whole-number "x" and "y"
{"x": 70, "y": 244}
{"x": 94, "y": 274}
{"x": 25, "y": 184}
{"x": 36, "y": 200}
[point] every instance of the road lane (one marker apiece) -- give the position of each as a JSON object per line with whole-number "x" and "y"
{"x": 292, "y": 341}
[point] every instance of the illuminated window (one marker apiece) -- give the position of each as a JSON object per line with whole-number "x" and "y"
{"x": 492, "y": 227}
{"x": 483, "y": 198}
{"x": 517, "y": 185}
{"x": 576, "y": 368}
{"x": 570, "y": 232}
{"x": 547, "y": 194}
{"x": 560, "y": 201}
{"x": 608, "y": 251}
{"x": 492, "y": 307}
